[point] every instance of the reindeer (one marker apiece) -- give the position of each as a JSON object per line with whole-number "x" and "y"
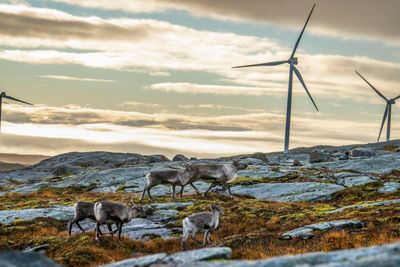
{"x": 216, "y": 174}
{"x": 115, "y": 213}
{"x": 168, "y": 176}
{"x": 202, "y": 221}
{"x": 84, "y": 211}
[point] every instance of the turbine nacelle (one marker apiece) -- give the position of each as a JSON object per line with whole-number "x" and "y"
{"x": 391, "y": 101}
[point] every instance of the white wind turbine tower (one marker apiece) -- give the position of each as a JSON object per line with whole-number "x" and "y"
{"x": 3, "y": 95}
{"x": 292, "y": 61}
{"x": 388, "y": 110}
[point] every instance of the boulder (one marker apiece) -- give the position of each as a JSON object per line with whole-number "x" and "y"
{"x": 389, "y": 187}
{"x": 203, "y": 254}
{"x": 362, "y": 152}
{"x": 317, "y": 156}
{"x": 297, "y": 163}
{"x": 261, "y": 156}
{"x": 57, "y": 212}
{"x": 180, "y": 157}
{"x": 25, "y": 259}
{"x": 139, "y": 262}
{"x": 184, "y": 258}
{"x": 308, "y": 231}
{"x": 288, "y": 192}
{"x": 387, "y": 255}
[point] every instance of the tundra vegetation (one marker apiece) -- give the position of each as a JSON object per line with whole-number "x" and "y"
{"x": 252, "y": 227}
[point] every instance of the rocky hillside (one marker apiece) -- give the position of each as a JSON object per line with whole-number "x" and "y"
{"x": 312, "y": 200}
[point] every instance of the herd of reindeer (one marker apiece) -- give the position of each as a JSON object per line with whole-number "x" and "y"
{"x": 109, "y": 213}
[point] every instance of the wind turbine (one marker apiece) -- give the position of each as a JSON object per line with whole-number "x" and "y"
{"x": 292, "y": 61}
{"x": 388, "y": 109}
{"x": 3, "y": 95}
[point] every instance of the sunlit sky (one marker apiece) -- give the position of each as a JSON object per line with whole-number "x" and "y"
{"x": 155, "y": 76}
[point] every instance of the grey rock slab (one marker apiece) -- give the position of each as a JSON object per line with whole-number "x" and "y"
{"x": 389, "y": 187}
{"x": 356, "y": 180}
{"x": 26, "y": 259}
{"x": 288, "y": 192}
{"x": 381, "y": 256}
{"x": 138, "y": 262}
{"x": 260, "y": 172}
{"x": 56, "y": 212}
{"x": 200, "y": 255}
{"x": 308, "y": 231}
{"x": 381, "y": 164}
{"x": 367, "y": 205}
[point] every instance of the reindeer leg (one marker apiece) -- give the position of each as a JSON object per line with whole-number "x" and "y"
{"x": 70, "y": 224}
{"x": 195, "y": 188}
{"x": 173, "y": 191}
{"x": 143, "y": 193}
{"x": 205, "y": 238}
{"x": 79, "y": 226}
{"x": 212, "y": 185}
{"x": 97, "y": 232}
{"x": 181, "y": 192}
{"x": 119, "y": 230}
{"x": 148, "y": 192}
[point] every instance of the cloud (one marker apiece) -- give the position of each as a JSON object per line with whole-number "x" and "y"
{"x": 367, "y": 19}
{"x": 157, "y": 47}
{"x": 71, "y": 78}
{"x": 210, "y": 89}
{"x": 83, "y": 129}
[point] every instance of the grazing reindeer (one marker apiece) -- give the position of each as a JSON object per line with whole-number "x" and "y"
{"x": 216, "y": 174}
{"x": 202, "y": 221}
{"x": 110, "y": 212}
{"x": 84, "y": 211}
{"x": 168, "y": 176}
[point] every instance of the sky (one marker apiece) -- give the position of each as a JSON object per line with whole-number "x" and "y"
{"x": 156, "y": 77}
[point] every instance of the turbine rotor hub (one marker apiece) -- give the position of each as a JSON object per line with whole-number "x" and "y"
{"x": 392, "y": 101}
{"x": 293, "y": 61}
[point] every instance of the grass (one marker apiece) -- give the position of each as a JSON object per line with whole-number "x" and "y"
{"x": 252, "y": 228}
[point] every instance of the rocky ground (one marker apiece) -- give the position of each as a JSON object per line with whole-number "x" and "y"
{"x": 311, "y": 200}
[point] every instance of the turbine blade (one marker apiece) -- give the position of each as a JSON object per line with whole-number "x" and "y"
{"x": 12, "y": 98}
{"x": 274, "y": 63}
{"x": 383, "y": 121}
{"x": 397, "y": 97}
{"x": 373, "y": 88}
{"x": 297, "y": 72}
{"x": 302, "y": 31}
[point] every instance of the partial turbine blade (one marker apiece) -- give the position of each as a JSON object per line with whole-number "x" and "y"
{"x": 297, "y": 72}
{"x": 376, "y": 90}
{"x": 12, "y": 98}
{"x": 397, "y": 97}
{"x": 302, "y": 31}
{"x": 383, "y": 121}
{"x": 275, "y": 63}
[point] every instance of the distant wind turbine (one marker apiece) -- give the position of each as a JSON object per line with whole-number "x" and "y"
{"x": 388, "y": 109}
{"x": 3, "y": 95}
{"x": 292, "y": 61}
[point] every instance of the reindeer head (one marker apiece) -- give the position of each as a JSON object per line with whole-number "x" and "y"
{"x": 137, "y": 210}
{"x": 239, "y": 165}
{"x": 216, "y": 208}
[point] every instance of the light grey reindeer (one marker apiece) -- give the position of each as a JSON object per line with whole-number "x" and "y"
{"x": 201, "y": 221}
{"x": 85, "y": 211}
{"x": 107, "y": 212}
{"x": 173, "y": 177}
{"x": 215, "y": 174}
